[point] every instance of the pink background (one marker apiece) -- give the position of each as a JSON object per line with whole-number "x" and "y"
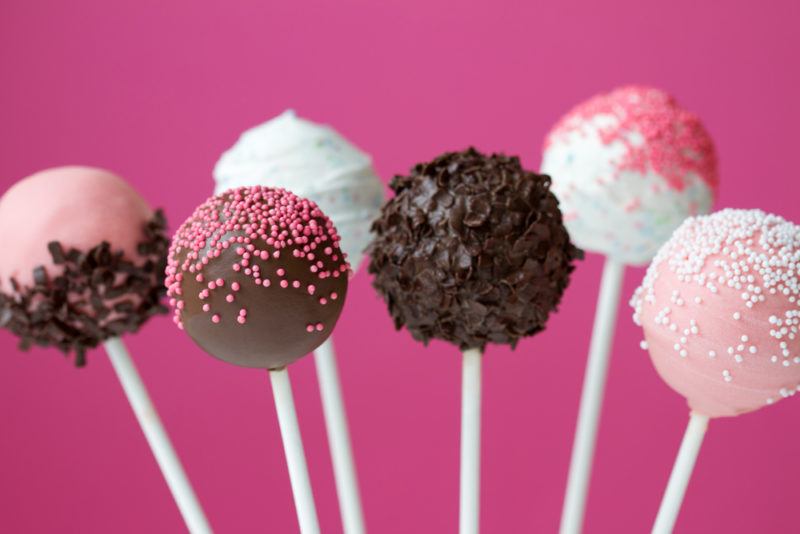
{"x": 156, "y": 90}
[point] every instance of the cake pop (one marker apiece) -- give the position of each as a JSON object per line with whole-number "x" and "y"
{"x": 315, "y": 162}
{"x": 628, "y": 167}
{"x": 471, "y": 250}
{"x": 720, "y": 313}
{"x": 257, "y": 278}
{"x": 83, "y": 259}
{"x": 83, "y": 263}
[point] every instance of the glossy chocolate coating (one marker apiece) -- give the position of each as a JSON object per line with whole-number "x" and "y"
{"x": 281, "y": 324}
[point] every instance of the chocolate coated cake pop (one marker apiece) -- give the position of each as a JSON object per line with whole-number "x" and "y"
{"x": 257, "y": 276}
{"x": 471, "y": 250}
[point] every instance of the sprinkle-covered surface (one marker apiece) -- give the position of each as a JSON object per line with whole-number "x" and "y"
{"x": 256, "y": 276}
{"x": 628, "y": 167}
{"x": 471, "y": 250}
{"x": 90, "y": 296}
{"x": 720, "y": 312}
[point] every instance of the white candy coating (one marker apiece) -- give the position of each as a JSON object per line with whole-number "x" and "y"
{"x": 628, "y": 167}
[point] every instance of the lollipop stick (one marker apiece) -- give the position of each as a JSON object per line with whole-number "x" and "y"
{"x": 339, "y": 439}
{"x": 594, "y": 382}
{"x": 157, "y": 437}
{"x": 469, "y": 504}
{"x": 293, "y": 449}
{"x": 681, "y": 471}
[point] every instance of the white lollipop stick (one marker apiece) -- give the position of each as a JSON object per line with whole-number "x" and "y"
{"x": 157, "y": 437}
{"x": 681, "y": 472}
{"x": 293, "y": 449}
{"x": 469, "y": 502}
{"x": 339, "y": 439}
{"x": 594, "y": 383}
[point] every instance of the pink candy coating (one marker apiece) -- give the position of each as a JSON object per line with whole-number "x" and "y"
{"x": 720, "y": 312}
{"x": 78, "y": 206}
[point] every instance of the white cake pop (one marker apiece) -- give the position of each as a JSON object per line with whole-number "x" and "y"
{"x": 312, "y": 161}
{"x": 628, "y": 167}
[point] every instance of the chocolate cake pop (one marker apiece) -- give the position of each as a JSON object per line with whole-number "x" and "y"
{"x": 83, "y": 259}
{"x": 257, "y": 277}
{"x": 471, "y": 250}
{"x": 628, "y": 167}
{"x": 720, "y": 312}
{"x": 315, "y": 162}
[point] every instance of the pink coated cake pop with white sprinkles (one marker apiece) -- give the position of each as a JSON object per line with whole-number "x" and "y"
{"x": 720, "y": 312}
{"x": 257, "y": 277}
{"x": 628, "y": 167}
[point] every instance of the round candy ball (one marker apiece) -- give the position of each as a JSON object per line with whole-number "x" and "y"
{"x": 720, "y": 312}
{"x": 628, "y": 167}
{"x": 471, "y": 250}
{"x": 256, "y": 276}
{"x": 314, "y": 162}
{"x": 83, "y": 258}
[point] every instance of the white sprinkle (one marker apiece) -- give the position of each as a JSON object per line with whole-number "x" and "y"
{"x": 744, "y": 339}
{"x": 683, "y": 353}
{"x": 643, "y": 345}
{"x": 737, "y": 315}
{"x": 738, "y": 358}
{"x": 712, "y": 354}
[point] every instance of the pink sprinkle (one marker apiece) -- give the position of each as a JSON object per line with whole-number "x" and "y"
{"x": 310, "y": 328}
{"x": 180, "y": 305}
{"x": 215, "y": 318}
{"x": 212, "y": 285}
{"x": 235, "y": 286}
{"x": 199, "y": 277}
{"x": 229, "y": 298}
{"x": 240, "y": 250}
{"x": 284, "y": 284}
{"x": 241, "y": 319}
{"x": 265, "y": 282}
{"x": 334, "y": 296}
{"x": 281, "y": 272}
{"x": 328, "y": 250}
{"x": 320, "y": 327}
{"x": 237, "y": 267}
{"x": 296, "y": 284}
{"x": 311, "y": 289}
{"x": 206, "y": 307}
{"x": 220, "y": 282}
{"x": 323, "y": 301}
{"x": 243, "y": 312}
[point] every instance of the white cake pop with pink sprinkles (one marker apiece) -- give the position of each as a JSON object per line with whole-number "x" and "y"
{"x": 628, "y": 167}
{"x": 720, "y": 312}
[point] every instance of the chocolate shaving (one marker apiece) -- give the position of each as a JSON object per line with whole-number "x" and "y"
{"x": 70, "y": 311}
{"x": 472, "y": 250}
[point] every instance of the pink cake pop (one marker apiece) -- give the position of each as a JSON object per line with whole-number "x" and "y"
{"x": 720, "y": 316}
{"x": 82, "y": 261}
{"x": 720, "y": 312}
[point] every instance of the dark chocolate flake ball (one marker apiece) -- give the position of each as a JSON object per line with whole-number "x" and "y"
{"x": 257, "y": 277}
{"x": 472, "y": 250}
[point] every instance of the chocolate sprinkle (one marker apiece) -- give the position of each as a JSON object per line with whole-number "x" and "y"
{"x": 472, "y": 250}
{"x": 70, "y": 311}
